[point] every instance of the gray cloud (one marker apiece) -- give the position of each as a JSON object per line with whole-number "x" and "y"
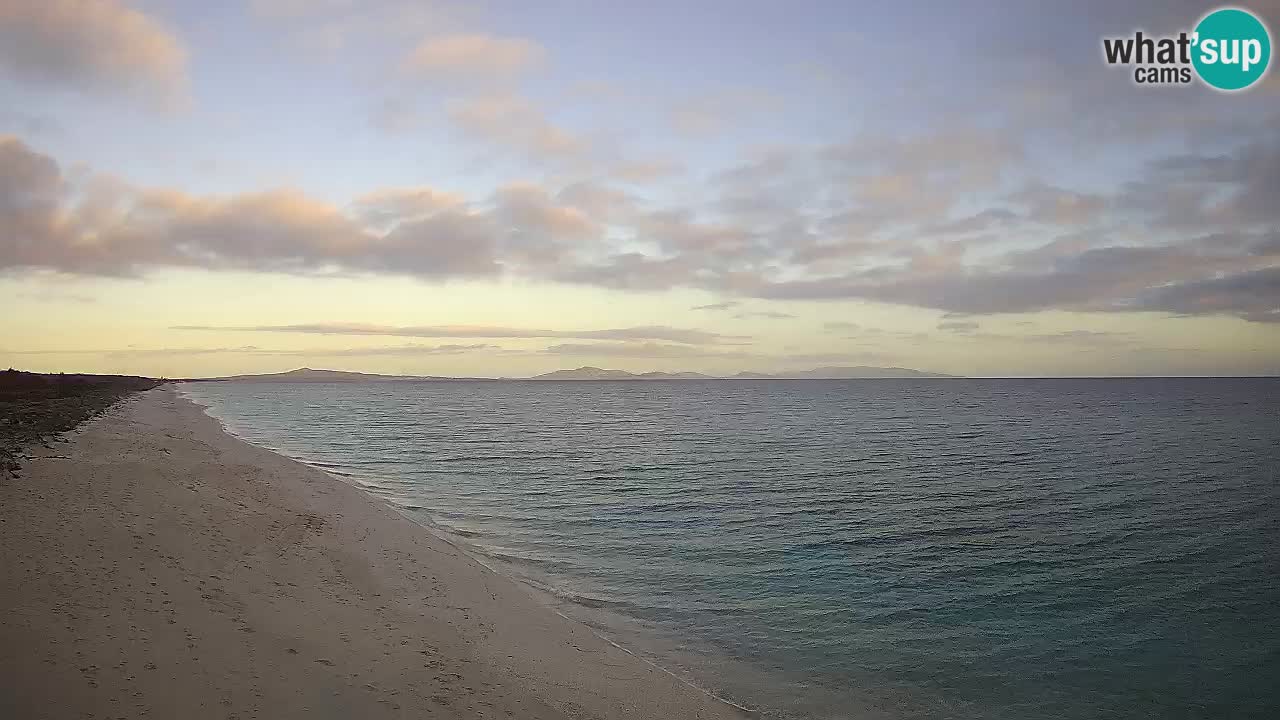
{"x": 958, "y": 326}
{"x": 1107, "y": 279}
{"x": 684, "y": 336}
{"x": 1252, "y": 295}
{"x": 981, "y": 221}
{"x": 726, "y": 305}
{"x": 101, "y": 47}
{"x": 765, "y": 315}
{"x": 1058, "y": 206}
{"x": 841, "y": 326}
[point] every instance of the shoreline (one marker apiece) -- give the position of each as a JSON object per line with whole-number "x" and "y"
{"x": 545, "y": 596}
{"x": 157, "y": 564}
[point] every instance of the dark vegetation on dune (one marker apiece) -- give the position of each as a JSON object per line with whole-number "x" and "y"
{"x": 34, "y": 407}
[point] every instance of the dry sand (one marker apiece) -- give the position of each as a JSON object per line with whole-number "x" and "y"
{"x": 154, "y": 566}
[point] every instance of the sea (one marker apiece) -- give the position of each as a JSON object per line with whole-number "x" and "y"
{"x": 942, "y": 548}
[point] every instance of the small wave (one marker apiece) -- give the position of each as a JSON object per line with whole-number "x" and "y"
{"x": 325, "y": 465}
{"x": 592, "y": 602}
{"x": 508, "y": 555}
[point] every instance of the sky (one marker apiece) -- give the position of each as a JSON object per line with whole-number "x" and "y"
{"x": 508, "y": 188}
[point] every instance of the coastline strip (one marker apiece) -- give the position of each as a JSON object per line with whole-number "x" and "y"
{"x": 157, "y": 566}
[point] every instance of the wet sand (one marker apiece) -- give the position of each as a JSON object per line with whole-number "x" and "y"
{"x": 154, "y": 566}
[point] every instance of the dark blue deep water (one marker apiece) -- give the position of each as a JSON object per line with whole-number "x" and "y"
{"x": 830, "y": 549}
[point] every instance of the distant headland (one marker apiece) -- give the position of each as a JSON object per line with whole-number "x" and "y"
{"x": 586, "y": 373}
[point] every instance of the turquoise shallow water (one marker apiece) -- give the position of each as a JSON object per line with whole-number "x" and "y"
{"x": 830, "y": 549}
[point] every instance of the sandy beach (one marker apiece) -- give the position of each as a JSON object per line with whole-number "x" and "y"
{"x": 154, "y": 566}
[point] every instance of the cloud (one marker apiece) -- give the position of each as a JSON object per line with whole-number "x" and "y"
{"x": 329, "y": 26}
{"x": 393, "y": 205}
{"x": 764, "y": 315}
{"x": 393, "y": 350}
{"x": 108, "y": 227}
{"x": 841, "y": 326}
{"x": 611, "y": 349}
{"x": 1252, "y": 295}
{"x": 513, "y": 123}
{"x": 642, "y": 350}
{"x": 538, "y": 231}
{"x": 667, "y": 351}
{"x": 1084, "y": 337}
{"x": 473, "y": 56}
{"x": 1074, "y": 338}
{"x": 599, "y": 200}
{"x": 1127, "y": 251}
{"x": 641, "y": 171}
{"x": 134, "y": 351}
{"x": 1058, "y": 206}
{"x": 1090, "y": 279}
{"x": 101, "y": 47}
{"x": 410, "y": 350}
{"x": 685, "y": 336}
{"x": 958, "y": 326}
{"x": 726, "y": 305}
{"x": 981, "y": 221}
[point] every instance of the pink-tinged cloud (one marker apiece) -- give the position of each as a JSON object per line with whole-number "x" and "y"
{"x": 98, "y": 46}
{"x": 511, "y": 123}
{"x": 473, "y": 56}
{"x": 1207, "y": 254}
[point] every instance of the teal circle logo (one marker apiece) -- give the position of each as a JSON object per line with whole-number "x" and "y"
{"x": 1231, "y": 49}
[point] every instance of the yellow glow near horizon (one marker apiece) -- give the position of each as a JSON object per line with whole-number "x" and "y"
{"x": 128, "y": 326}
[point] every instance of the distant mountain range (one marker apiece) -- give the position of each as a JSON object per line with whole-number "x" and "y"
{"x": 307, "y": 375}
